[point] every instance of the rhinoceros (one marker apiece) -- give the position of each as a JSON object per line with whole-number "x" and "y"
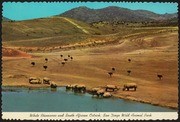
{"x": 53, "y": 85}
{"x": 107, "y": 95}
{"x": 34, "y": 80}
{"x": 111, "y": 87}
{"x": 100, "y": 92}
{"x": 68, "y": 87}
{"x": 46, "y": 80}
{"x": 80, "y": 88}
{"x": 94, "y": 91}
{"x": 128, "y": 86}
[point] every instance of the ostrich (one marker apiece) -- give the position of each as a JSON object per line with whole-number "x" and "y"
{"x": 159, "y": 76}
{"x": 129, "y": 60}
{"x": 33, "y": 63}
{"x": 129, "y": 72}
{"x": 63, "y": 63}
{"x": 110, "y": 73}
{"x": 46, "y": 60}
{"x": 113, "y": 69}
{"x": 45, "y": 67}
{"x": 65, "y": 59}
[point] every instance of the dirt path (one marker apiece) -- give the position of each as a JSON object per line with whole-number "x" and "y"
{"x": 81, "y": 28}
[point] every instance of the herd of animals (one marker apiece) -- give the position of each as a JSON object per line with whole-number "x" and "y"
{"x": 80, "y": 88}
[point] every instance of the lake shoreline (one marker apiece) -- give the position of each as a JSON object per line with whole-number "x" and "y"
{"x": 90, "y": 92}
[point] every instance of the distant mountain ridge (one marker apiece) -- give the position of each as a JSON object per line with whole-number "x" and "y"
{"x": 5, "y": 19}
{"x": 114, "y": 13}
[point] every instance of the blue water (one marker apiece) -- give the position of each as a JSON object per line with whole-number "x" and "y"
{"x": 45, "y": 100}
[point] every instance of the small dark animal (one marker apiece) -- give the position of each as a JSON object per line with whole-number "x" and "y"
{"x": 113, "y": 69}
{"x": 65, "y": 59}
{"x": 129, "y": 60}
{"x": 61, "y": 56}
{"x": 71, "y": 58}
{"x": 46, "y": 59}
{"x": 45, "y": 67}
{"x": 129, "y": 72}
{"x": 33, "y": 63}
{"x": 159, "y": 76}
{"x": 63, "y": 63}
{"x": 110, "y": 73}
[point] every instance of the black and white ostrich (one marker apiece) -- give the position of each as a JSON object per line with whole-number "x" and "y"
{"x": 129, "y": 72}
{"x": 110, "y": 74}
{"x": 159, "y": 76}
{"x": 33, "y": 63}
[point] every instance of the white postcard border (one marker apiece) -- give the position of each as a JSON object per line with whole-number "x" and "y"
{"x": 90, "y": 115}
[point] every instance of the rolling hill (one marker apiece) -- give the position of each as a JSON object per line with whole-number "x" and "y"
{"x": 5, "y": 19}
{"x": 77, "y": 29}
{"x": 44, "y": 28}
{"x": 113, "y": 13}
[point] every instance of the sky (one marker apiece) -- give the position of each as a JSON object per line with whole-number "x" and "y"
{"x": 31, "y": 10}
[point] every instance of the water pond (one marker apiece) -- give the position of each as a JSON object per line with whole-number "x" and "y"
{"x": 18, "y": 99}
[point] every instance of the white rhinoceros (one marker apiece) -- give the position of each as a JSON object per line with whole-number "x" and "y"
{"x": 128, "y": 86}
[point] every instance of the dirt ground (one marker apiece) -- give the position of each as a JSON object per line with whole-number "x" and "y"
{"x": 150, "y": 55}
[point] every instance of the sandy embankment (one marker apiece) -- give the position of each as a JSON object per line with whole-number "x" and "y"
{"x": 13, "y": 53}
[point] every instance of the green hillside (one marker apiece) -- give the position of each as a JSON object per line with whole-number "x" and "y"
{"x": 41, "y": 28}
{"x": 61, "y": 31}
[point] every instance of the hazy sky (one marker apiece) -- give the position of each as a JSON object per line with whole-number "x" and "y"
{"x": 31, "y": 10}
